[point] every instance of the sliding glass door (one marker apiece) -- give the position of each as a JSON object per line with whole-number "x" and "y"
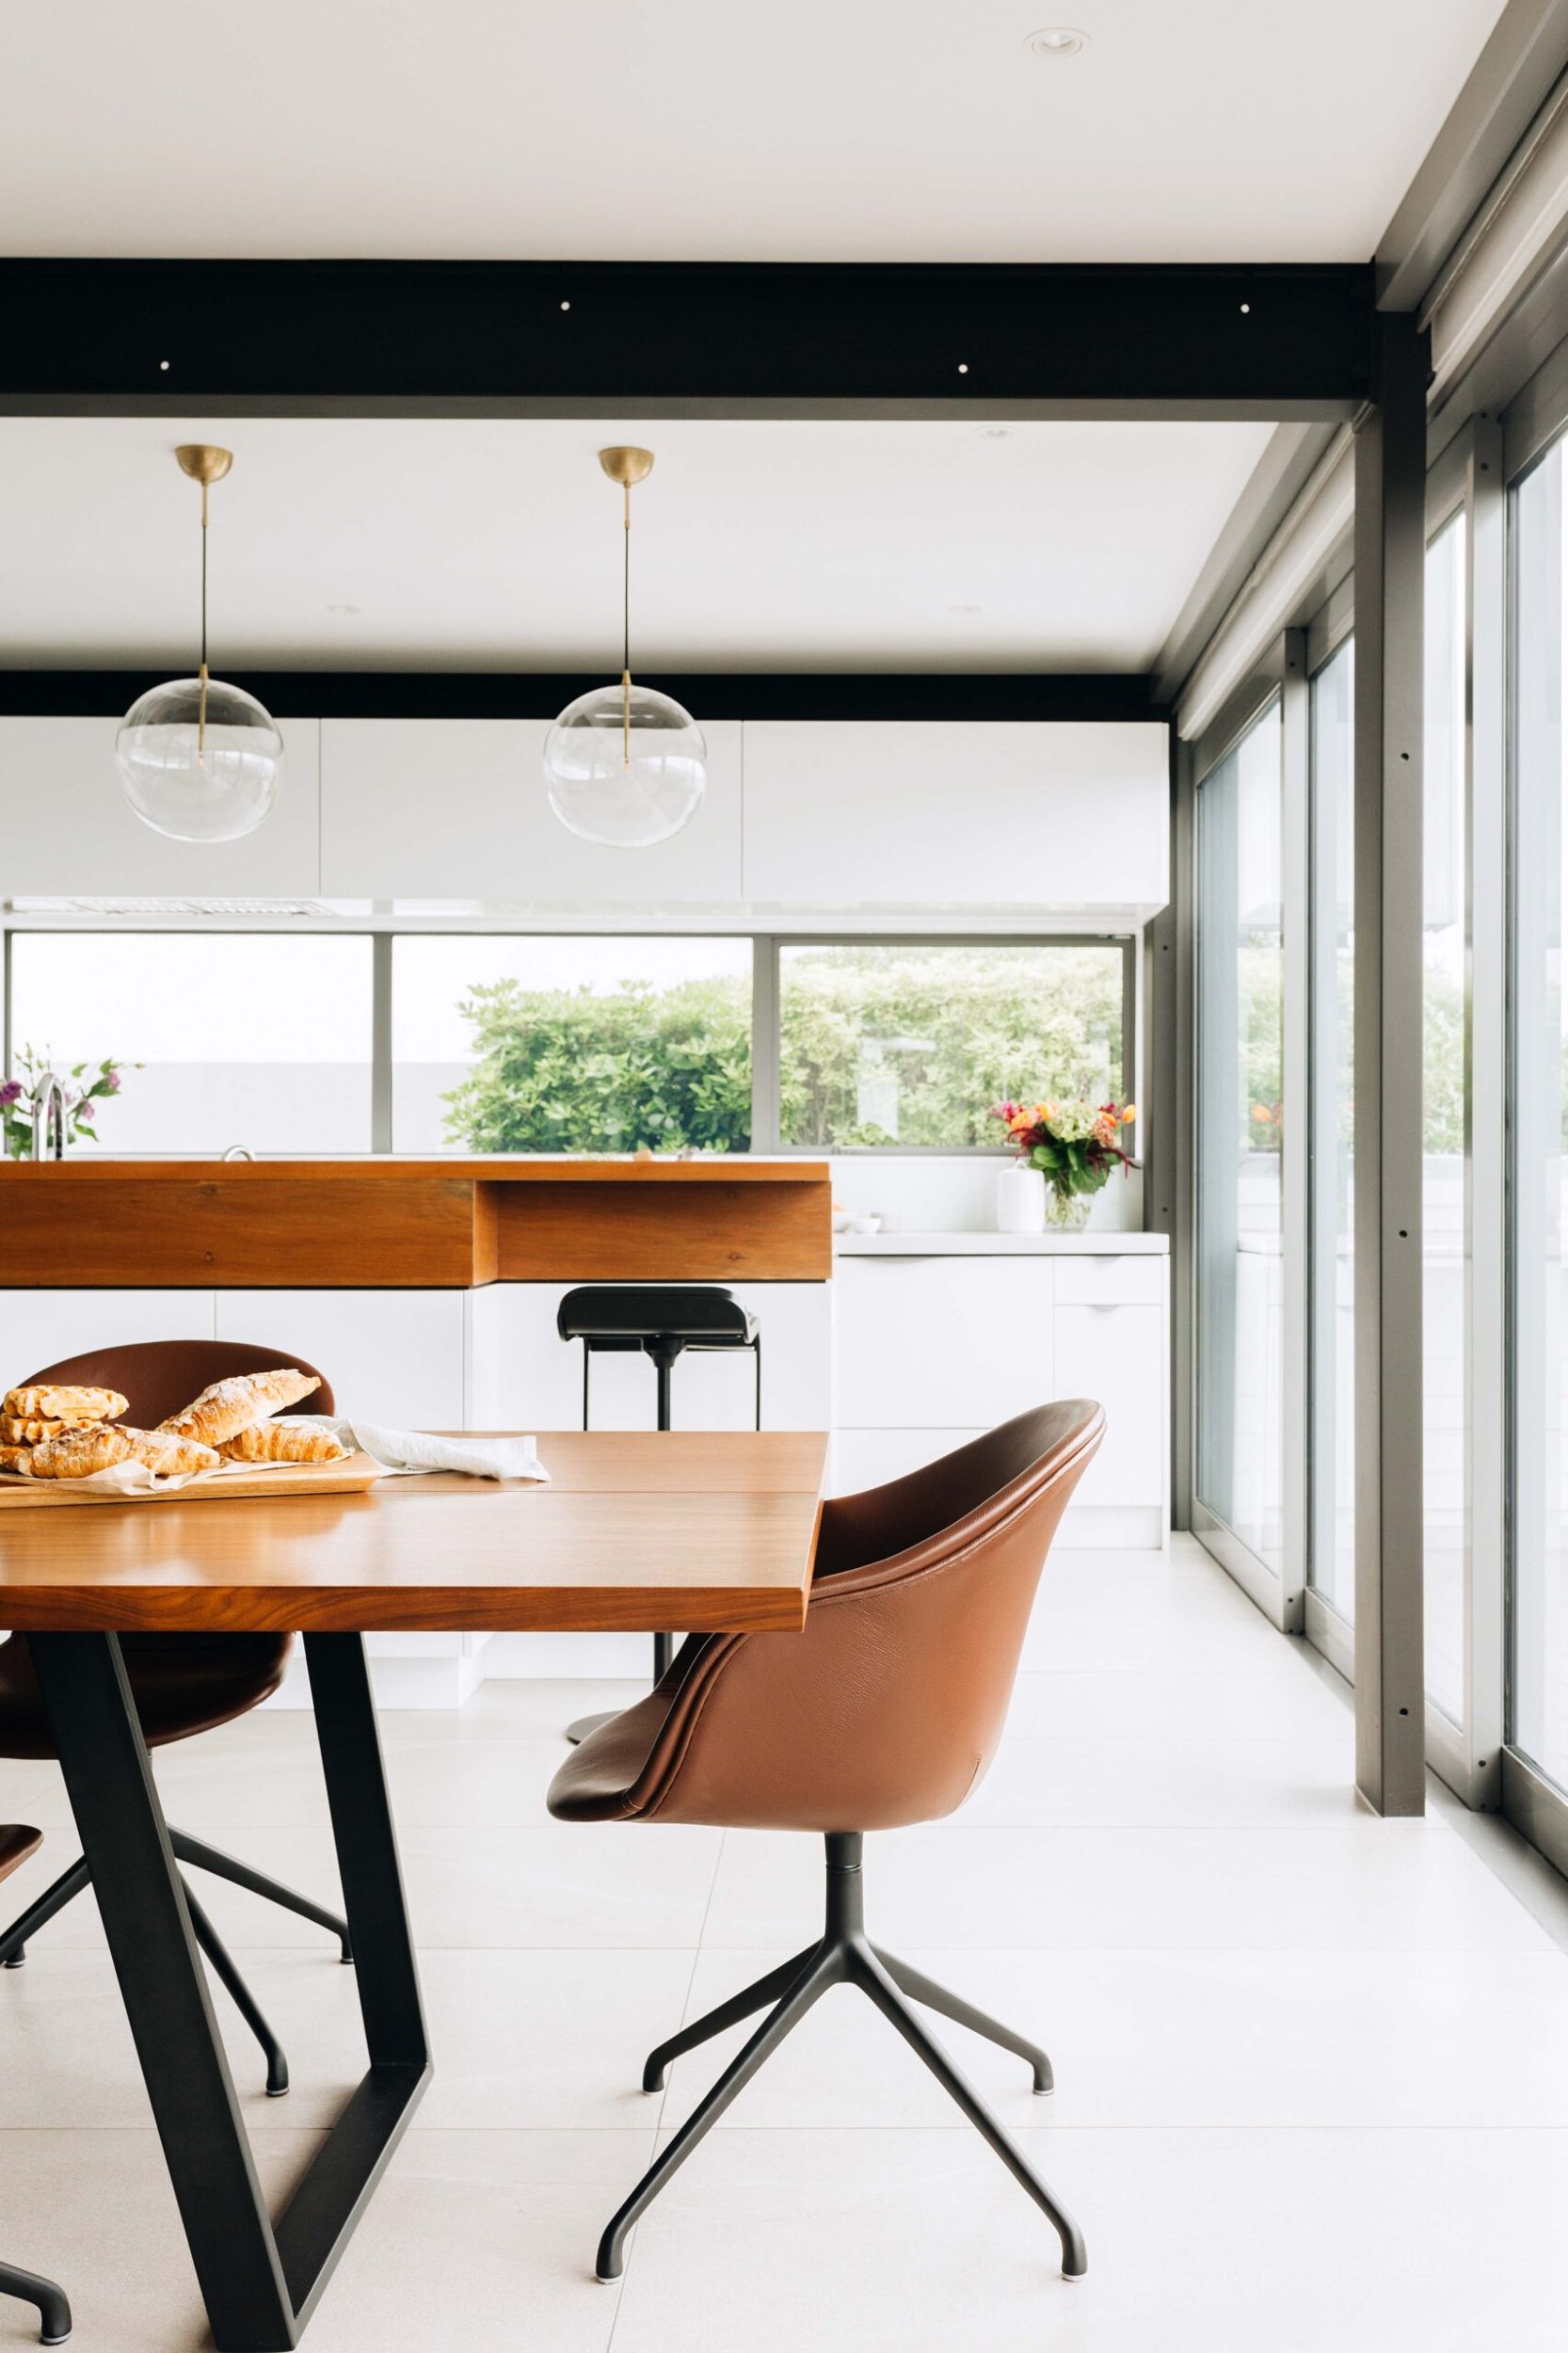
{"x": 1241, "y": 1112}
{"x": 1331, "y": 1557}
{"x": 1538, "y": 1709}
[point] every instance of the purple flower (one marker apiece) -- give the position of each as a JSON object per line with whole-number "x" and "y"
{"x": 10, "y": 1093}
{"x": 111, "y": 1082}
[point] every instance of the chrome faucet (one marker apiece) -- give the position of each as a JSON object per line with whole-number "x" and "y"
{"x": 48, "y": 1113}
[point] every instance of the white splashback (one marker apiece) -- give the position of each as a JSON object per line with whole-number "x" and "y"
{"x": 936, "y": 1194}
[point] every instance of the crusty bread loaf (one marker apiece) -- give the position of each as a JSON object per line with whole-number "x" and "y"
{"x": 16, "y": 1430}
{"x": 233, "y": 1404}
{"x": 302, "y": 1439}
{"x": 48, "y": 1401}
{"x": 17, "y": 1458}
{"x": 77, "y": 1452}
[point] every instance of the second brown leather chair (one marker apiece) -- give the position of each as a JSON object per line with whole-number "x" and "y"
{"x": 183, "y": 1684}
{"x": 883, "y": 1712}
{"x": 30, "y": 2287}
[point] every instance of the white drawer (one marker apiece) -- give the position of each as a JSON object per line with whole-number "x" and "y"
{"x": 1110, "y": 1281}
{"x": 942, "y": 1343}
{"x": 1116, "y": 1354}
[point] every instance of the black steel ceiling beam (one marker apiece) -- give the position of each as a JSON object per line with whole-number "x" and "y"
{"x": 503, "y": 338}
{"x": 538, "y": 695}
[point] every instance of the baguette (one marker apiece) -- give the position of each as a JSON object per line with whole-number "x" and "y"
{"x": 47, "y": 1401}
{"x": 233, "y": 1404}
{"x": 303, "y": 1439}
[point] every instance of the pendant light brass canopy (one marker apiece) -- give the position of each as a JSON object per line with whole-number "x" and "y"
{"x": 199, "y": 760}
{"x": 624, "y": 766}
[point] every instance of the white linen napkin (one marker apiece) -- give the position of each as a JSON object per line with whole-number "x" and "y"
{"x": 425, "y": 1451}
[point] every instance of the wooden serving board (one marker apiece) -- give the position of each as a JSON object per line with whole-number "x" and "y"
{"x": 352, "y": 1476}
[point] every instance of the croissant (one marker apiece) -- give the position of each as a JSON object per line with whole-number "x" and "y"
{"x": 233, "y": 1404}
{"x": 82, "y": 1450}
{"x": 303, "y": 1439}
{"x": 77, "y": 1452}
{"x": 17, "y": 1458}
{"x": 46, "y": 1402}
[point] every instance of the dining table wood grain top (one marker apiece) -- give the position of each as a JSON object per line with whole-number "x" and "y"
{"x": 633, "y": 1530}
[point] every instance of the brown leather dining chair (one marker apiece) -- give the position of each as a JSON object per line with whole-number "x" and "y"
{"x": 16, "y": 1845}
{"x": 885, "y": 1712}
{"x": 183, "y": 1684}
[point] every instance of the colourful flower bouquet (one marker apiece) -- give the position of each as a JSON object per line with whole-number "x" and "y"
{"x": 81, "y": 1093}
{"x": 1075, "y": 1147}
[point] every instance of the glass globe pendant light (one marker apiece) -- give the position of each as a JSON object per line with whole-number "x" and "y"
{"x": 199, "y": 760}
{"x": 624, "y": 766}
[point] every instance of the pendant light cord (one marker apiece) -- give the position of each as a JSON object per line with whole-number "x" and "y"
{"x": 626, "y": 630}
{"x": 202, "y": 698}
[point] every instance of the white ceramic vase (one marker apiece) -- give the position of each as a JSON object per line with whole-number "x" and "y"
{"x": 1020, "y": 1199}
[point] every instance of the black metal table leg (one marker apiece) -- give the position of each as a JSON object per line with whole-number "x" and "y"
{"x": 259, "y": 2286}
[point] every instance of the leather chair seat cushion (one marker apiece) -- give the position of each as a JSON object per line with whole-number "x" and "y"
{"x": 16, "y": 1844}
{"x": 183, "y": 1684}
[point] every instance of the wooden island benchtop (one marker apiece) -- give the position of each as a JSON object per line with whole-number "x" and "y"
{"x": 384, "y": 1222}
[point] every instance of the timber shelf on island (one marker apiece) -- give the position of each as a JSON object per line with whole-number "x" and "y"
{"x": 382, "y": 1222}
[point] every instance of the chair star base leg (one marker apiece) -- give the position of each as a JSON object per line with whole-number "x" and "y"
{"x": 842, "y": 1956}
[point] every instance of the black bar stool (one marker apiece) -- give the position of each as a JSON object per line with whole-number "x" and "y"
{"x": 661, "y": 1320}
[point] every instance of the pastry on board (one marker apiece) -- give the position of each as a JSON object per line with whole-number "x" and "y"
{"x": 18, "y": 1430}
{"x": 79, "y": 1451}
{"x": 241, "y": 1399}
{"x": 51, "y": 1401}
{"x": 17, "y": 1458}
{"x": 305, "y": 1438}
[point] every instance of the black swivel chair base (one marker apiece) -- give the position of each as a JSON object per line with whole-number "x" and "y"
{"x": 844, "y": 1955}
{"x": 53, "y": 2311}
{"x": 13, "y": 1943}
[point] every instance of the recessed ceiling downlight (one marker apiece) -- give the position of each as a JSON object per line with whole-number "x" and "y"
{"x": 1056, "y": 40}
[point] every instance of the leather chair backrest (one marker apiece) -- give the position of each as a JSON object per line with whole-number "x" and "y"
{"x": 158, "y": 1377}
{"x": 888, "y": 1709}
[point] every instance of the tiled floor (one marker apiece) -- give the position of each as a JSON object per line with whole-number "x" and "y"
{"x": 1312, "y": 2067}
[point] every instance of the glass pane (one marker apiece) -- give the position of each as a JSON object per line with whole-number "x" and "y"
{"x": 1446, "y": 1417}
{"x": 1538, "y": 1547}
{"x": 1240, "y": 1003}
{"x": 571, "y": 1044}
{"x": 1333, "y": 1555}
{"x": 261, "y": 1040}
{"x": 911, "y": 1046}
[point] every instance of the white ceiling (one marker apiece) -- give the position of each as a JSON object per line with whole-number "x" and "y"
{"x": 853, "y": 129}
{"x": 497, "y": 545}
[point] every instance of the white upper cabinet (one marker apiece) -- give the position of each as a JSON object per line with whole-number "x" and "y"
{"x": 455, "y": 808}
{"x": 1071, "y": 814}
{"x": 68, "y": 831}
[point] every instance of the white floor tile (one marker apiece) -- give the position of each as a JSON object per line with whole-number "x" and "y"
{"x": 1199, "y": 2242}
{"x": 1406, "y": 1885}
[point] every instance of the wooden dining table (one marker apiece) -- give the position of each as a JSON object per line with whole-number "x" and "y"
{"x": 705, "y": 1531}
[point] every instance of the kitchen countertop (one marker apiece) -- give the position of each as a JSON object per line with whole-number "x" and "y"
{"x": 1090, "y": 1245}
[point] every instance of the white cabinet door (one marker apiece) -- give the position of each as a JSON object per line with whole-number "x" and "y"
{"x": 1116, "y": 1354}
{"x": 455, "y": 808}
{"x": 869, "y": 1458}
{"x": 391, "y": 1357}
{"x": 39, "y": 1328}
{"x": 943, "y": 1343}
{"x": 71, "y": 832}
{"x": 1070, "y": 812}
{"x": 523, "y": 1375}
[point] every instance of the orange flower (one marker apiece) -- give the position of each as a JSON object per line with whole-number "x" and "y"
{"x": 1129, "y": 1115}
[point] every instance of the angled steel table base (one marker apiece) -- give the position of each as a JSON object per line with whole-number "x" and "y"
{"x": 260, "y": 2282}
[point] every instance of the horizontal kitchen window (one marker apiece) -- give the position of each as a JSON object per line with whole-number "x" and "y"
{"x": 899, "y": 1045}
{"x": 223, "y": 1038}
